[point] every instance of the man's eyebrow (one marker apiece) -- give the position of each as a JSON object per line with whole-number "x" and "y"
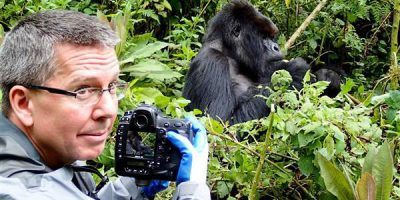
{"x": 90, "y": 78}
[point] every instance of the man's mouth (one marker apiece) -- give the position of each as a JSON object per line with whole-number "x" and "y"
{"x": 95, "y": 136}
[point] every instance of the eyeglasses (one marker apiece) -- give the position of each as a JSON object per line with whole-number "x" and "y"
{"x": 90, "y": 95}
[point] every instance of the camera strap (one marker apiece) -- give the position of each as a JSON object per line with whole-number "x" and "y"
{"x": 90, "y": 169}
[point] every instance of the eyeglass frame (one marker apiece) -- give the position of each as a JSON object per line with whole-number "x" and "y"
{"x": 74, "y": 94}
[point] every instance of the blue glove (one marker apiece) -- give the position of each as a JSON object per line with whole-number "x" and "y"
{"x": 194, "y": 160}
{"x": 154, "y": 187}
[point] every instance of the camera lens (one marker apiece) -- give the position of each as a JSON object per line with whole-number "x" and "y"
{"x": 141, "y": 121}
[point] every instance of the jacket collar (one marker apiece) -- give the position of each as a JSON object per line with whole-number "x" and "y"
{"x": 8, "y": 129}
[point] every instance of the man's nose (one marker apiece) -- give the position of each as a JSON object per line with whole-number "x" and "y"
{"x": 106, "y": 107}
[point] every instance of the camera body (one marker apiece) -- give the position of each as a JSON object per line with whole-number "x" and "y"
{"x": 142, "y": 149}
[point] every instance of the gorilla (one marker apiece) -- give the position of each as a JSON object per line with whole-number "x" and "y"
{"x": 239, "y": 53}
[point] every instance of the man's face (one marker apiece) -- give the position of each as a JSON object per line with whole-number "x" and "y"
{"x": 64, "y": 128}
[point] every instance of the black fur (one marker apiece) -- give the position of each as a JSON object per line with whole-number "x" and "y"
{"x": 333, "y": 74}
{"x": 238, "y": 54}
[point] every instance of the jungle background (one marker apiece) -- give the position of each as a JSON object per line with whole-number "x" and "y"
{"x": 310, "y": 146}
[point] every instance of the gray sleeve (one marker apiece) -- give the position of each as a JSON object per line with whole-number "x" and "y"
{"x": 192, "y": 191}
{"x": 124, "y": 188}
{"x": 121, "y": 189}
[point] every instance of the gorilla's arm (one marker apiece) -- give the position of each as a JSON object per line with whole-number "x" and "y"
{"x": 250, "y": 106}
{"x": 208, "y": 84}
{"x": 297, "y": 69}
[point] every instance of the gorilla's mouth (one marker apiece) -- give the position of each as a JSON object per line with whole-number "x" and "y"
{"x": 275, "y": 59}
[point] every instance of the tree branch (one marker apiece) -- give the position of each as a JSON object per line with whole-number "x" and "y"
{"x": 303, "y": 26}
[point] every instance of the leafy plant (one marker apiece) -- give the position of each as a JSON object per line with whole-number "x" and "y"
{"x": 389, "y": 105}
{"x": 305, "y": 125}
{"x": 375, "y": 181}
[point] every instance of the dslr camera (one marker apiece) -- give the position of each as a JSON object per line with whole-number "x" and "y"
{"x": 142, "y": 149}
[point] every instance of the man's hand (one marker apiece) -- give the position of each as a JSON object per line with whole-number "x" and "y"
{"x": 194, "y": 160}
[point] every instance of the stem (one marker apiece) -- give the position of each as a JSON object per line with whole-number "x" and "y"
{"x": 212, "y": 132}
{"x": 200, "y": 14}
{"x": 263, "y": 155}
{"x": 303, "y": 26}
{"x": 252, "y": 151}
{"x": 237, "y": 143}
{"x": 394, "y": 71}
{"x": 370, "y": 40}
{"x": 353, "y": 99}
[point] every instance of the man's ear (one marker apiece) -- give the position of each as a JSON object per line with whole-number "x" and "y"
{"x": 21, "y": 104}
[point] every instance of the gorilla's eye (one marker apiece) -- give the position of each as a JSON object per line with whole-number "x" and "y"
{"x": 236, "y": 31}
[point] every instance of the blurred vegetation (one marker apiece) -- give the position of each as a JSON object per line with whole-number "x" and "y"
{"x": 319, "y": 148}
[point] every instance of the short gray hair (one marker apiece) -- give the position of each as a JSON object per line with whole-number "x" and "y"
{"x": 27, "y": 55}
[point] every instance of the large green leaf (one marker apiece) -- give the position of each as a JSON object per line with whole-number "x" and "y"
{"x": 348, "y": 178}
{"x": 369, "y": 160}
{"x": 306, "y": 164}
{"x": 383, "y": 172}
{"x": 334, "y": 180}
{"x": 146, "y": 94}
{"x": 365, "y": 187}
{"x": 152, "y": 69}
{"x": 143, "y": 51}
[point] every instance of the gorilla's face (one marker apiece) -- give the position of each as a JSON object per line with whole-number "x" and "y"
{"x": 271, "y": 50}
{"x": 253, "y": 46}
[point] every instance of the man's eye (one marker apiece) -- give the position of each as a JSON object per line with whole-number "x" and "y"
{"x": 82, "y": 91}
{"x": 81, "y": 88}
{"x": 85, "y": 91}
{"x": 113, "y": 84}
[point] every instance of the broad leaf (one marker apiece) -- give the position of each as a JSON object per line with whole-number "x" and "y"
{"x": 369, "y": 161}
{"x": 166, "y": 5}
{"x": 214, "y": 126}
{"x": 306, "y": 164}
{"x": 329, "y": 144}
{"x": 365, "y": 187}
{"x": 152, "y": 69}
{"x": 224, "y": 188}
{"x": 145, "y": 94}
{"x": 348, "y": 178}
{"x": 334, "y": 180}
{"x": 338, "y": 134}
{"x": 383, "y": 172}
{"x": 143, "y": 51}
{"x": 347, "y": 86}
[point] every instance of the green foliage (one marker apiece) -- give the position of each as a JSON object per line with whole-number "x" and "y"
{"x": 188, "y": 31}
{"x": 389, "y": 105}
{"x": 335, "y": 180}
{"x": 159, "y": 38}
{"x": 12, "y": 11}
{"x": 305, "y": 126}
{"x": 281, "y": 80}
{"x": 375, "y": 181}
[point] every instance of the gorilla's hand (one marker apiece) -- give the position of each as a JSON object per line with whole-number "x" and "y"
{"x": 334, "y": 77}
{"x": 297, "y": 68}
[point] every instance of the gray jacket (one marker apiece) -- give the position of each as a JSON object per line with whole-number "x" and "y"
{"x": 24, "y": 176}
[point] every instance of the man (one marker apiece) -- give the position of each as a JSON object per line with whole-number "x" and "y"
{"x": 59, "y": 77}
